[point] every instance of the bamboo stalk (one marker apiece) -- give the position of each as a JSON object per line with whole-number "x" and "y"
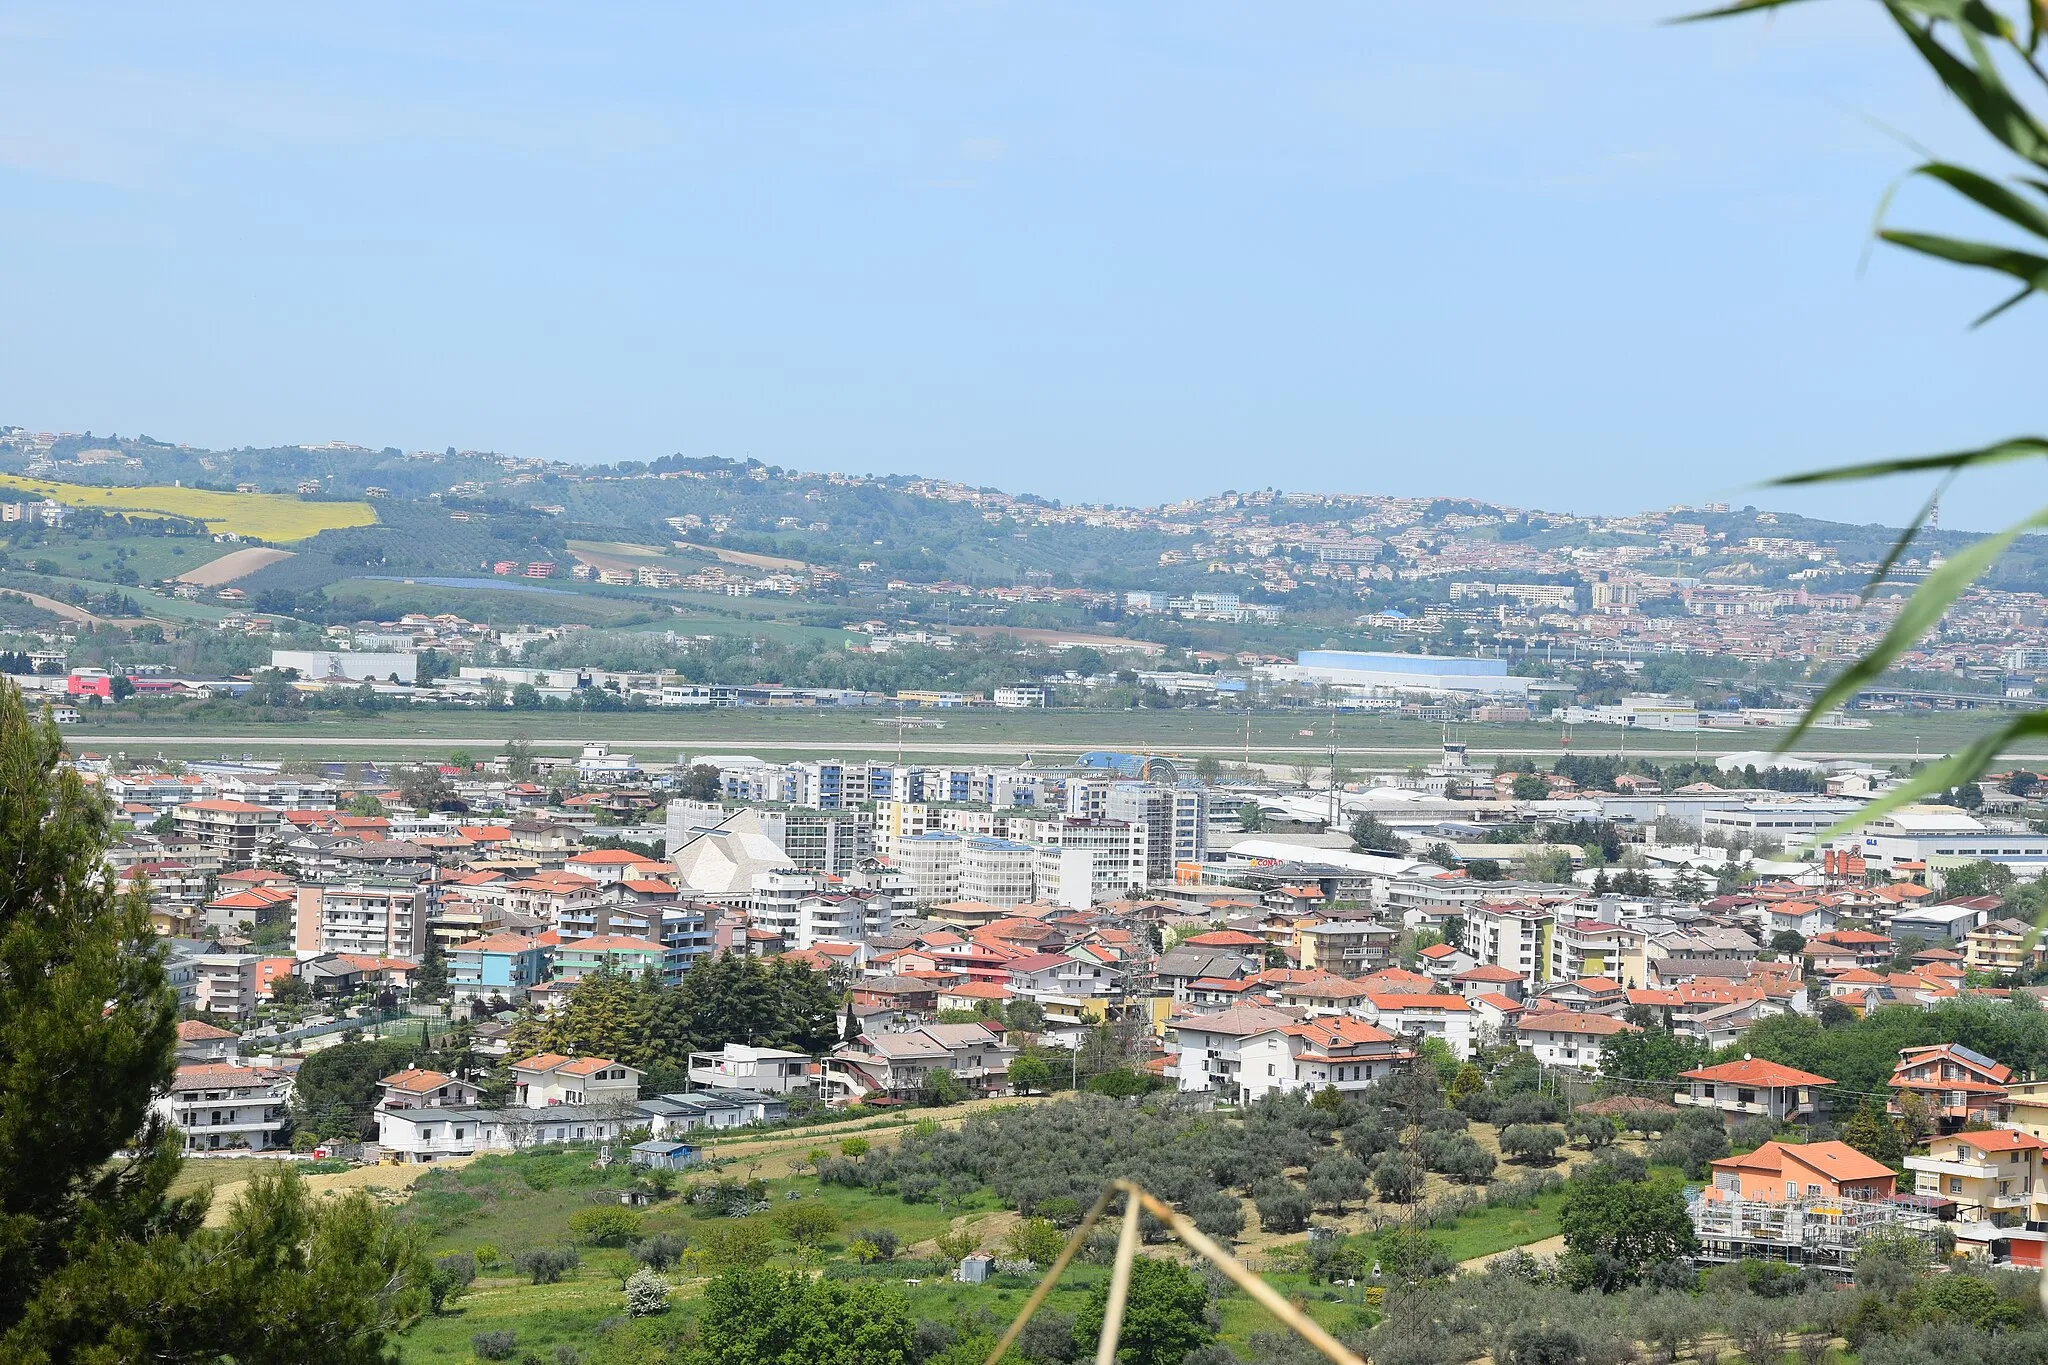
{"x": 1052, "y": 1275}
{"x": 1267, "y": 1296}
{"x": 1120, "y": 1277}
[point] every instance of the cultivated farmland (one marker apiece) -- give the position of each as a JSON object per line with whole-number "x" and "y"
{"x": 265, "y": 516}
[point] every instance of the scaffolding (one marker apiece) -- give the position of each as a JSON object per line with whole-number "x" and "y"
{"x": 1814, "y": 1230}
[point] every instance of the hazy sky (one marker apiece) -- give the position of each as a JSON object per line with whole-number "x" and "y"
{"x": 1558, "y": 254}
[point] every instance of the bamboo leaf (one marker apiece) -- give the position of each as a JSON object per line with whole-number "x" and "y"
{"x": 1977, "y": 86}
{"x": 1909, "y": 535}
{"x": 2004, "y": 452}
{"x": 1915, "y": 619}
{"x": 1990, "y": 194}
{"x": 1726, "y": 11}
{"x": 1966, "y": 765}
{"x": 2024, "y": 266}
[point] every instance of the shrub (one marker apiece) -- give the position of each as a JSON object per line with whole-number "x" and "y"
{"x": 1036, "y": 1240}
{"x": 883, "y": 1240}
{"x": 736, "y": 1243}
{"x": 1397, "y": 1176}
{"x": 808, "y": 1223}
{"x": 1283, "y": 1207}
{"x": 494, "y": 1345}
{"x": 1048, "y": 1339}
{"x": 1217, "y": 1214}
{"x": 602, "y": 1226}
{"x": 1531, "y": 1141}
{"x": 647, "y": 1293}
{"x": 546, "y": 1265}
{"x": 661, "y": 1251}
{"x": 1595, "y": 1130}
{"x": 486, "y": 1255}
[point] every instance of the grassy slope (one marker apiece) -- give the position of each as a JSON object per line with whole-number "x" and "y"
{"x": 489, "y": 1203}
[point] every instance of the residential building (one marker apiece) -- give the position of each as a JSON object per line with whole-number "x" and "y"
{"x": 999, "y": 872}
{"x": 1998, "y": 947}
{"x": 551, "y": 1079}
{"x": 414, "y": 1088}
{"x": 377, "y": 919}
{"x": 1342, "y": 1054}
{"x": 222, "y": 1108}
{"x": 769, "y": 1070}
{"x": 1239, "y": 1053}
{"x": 1592, "y": 947}
{"x": 226, "y": 984}
{"x": 581, "y": 957}
{"x": 233, "y": 831}
{"x": 896, "y": 1065}
{"x": 1751, "y": 1088}
{"x": 1348, "y": 947}
{"x": 1957, "y": 1084}
{"x": 1445, "y": 1017}
{"x": 1567, "y": 1038}
{"x": 1780, "y": 1171}
{"x": 201, "y": 1043}
{"x": 930, "y": 864}
{"x": 1513, "y": 935}
{"x": 1992, "y": 1172}
{"x": 1114, "y": 866}
{"x": 712, "y": 1107}
{"x": 1175, "y": 819}
{"x": 502, "y": 965}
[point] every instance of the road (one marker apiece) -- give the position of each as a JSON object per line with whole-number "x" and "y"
{"x": 735, "y": 743}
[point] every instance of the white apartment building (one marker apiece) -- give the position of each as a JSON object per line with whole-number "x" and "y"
{"x": 551, "y": 1079}
{"x": 1591, "y": 947}
{"x": 228, "y": 1108}
{"x": 1118, "y": 854}
{"x": 930, "y": 864}
{"x": 378, "y": 919}
{"x": 235, "y": 831}
{"x": 1021, "y": 696}
{"x": 770, "y": 1070}
{"x": 997, "y": 871}
{"x": 1176, "y": 821}
{"x": 225, "y": 984}
{"x": 1512, "y": 935}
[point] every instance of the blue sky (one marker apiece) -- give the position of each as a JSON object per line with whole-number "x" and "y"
{"x": 1556, "y": 254}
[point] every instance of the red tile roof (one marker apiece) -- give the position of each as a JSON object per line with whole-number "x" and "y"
{"x": 1754, "y": 1071}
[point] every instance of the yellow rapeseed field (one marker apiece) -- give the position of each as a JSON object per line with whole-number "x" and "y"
{"x": 265, "y": 516}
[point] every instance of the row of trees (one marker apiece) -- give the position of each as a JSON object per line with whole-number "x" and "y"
{"x": 647, "y": 1023}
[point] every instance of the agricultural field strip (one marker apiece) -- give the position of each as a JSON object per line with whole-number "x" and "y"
{"x": 268, "y": 516}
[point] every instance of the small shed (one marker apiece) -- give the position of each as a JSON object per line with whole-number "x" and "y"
{"x": 975, "y": 1268}
{"x": 663, "y": 1155}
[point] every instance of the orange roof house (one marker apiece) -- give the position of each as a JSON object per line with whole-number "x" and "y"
{"x": 1753, "y": 1088}
{"x": 1780, "y": 1171}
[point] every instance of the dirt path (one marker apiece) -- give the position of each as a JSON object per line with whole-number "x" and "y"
{"x": 778, "y": 1154}
{"x": 63, "y": 609}
{"x": 387, "y": 1183}
{"x": 1549, "y": 1246}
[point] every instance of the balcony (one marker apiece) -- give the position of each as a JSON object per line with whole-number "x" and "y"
{"x": 1725, "y": 1105}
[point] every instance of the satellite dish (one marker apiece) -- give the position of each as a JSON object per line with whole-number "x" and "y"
{"x": 1747, "y": 1058}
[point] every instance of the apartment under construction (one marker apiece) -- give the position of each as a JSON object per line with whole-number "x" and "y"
{"x": 1816, "y": 1230}
{"x": 1802, "y": 1203}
